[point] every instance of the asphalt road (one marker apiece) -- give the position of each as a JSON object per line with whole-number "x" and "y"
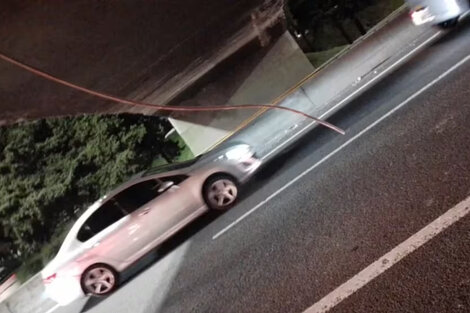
{"x": 372, "y": 190}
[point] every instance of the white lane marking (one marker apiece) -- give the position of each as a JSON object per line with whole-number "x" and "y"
{"x": 282, "y": 145}
{"x": 53, "y": 308}
{"x": 391, "y": 258}
{"x": 463, "y": 16}
{"x": 347, "y": 143}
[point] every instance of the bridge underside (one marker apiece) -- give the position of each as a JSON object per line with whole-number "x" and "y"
{"x": 212, "y": 52}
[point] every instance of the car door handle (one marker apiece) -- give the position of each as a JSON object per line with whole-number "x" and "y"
{"x": 144, "y": 212}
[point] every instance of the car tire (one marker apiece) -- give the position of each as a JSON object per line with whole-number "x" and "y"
{"x": 220, "y": 192}
{"x": 99, "y": 280}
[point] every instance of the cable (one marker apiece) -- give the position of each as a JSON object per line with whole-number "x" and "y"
{"x": 163, "y": 107}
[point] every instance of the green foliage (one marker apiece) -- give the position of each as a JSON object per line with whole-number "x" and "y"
{"x": 326, "y": 24}
{"x": 29, "y": 268}
{"x": 36, "y": 262}
{"x": 185, "y": 152}
{"x": 51, "y": 169}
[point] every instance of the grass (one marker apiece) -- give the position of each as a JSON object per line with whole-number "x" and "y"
{"x": 319, "y": 58}
{"x": 185, "y": 152}
{"x": 158, "y": 162}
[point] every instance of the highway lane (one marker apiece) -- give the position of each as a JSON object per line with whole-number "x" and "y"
{"x": 435, "y": 278}
{"x": 340, "y": 217}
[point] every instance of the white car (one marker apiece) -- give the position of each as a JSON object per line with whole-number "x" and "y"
{"x": 444, "y": 13}
{"x": 136, "y": 217}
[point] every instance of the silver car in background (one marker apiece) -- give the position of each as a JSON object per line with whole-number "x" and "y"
{"x": 444, "y": 13}
{"x": 128, "y": 222}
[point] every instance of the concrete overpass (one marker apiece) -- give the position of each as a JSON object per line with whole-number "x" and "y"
{"x": 207, "y": 52}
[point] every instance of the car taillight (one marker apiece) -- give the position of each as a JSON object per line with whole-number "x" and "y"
{"x": 50, "y": 279}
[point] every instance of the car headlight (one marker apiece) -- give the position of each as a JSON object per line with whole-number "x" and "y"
{"x": 239, "y": 153}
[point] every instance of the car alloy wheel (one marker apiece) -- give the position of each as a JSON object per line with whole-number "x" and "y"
{"x": 221, "y": 192}
{"x": 99, "y": 280}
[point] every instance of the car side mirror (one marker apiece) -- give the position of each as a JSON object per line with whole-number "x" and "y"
{"x": 165, "y": 186}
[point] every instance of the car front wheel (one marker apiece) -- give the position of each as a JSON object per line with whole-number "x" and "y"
{"x": 99, "y": 280}
{"x": 220, "y": 192}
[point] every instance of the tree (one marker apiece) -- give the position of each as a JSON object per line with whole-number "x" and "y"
{"x": 51, "y": 169}
{"x": 325, "y": 20}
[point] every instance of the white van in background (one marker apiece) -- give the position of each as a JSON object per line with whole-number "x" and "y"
{"x": 444, "y": 13}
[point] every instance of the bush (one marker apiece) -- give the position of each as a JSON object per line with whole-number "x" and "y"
{"x": 50, "y": 170}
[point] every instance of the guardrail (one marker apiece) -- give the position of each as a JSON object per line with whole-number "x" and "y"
{"x": 350, "y": 73}
{"x": 382, "y": 48}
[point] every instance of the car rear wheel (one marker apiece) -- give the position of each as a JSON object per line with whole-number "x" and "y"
{"x": 99, "y": 280}
{"x": 220, "y": 192}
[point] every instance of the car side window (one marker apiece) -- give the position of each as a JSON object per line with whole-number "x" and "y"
{"x": 177, "y": 179}
{"x": 102, "y": 218}
{"x": 137, "y": 195}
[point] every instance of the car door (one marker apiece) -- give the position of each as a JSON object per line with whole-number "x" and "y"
{"x": 135, "y": 202}
{"x": 112, "y": 234}
{"x": 172, "y": 207}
